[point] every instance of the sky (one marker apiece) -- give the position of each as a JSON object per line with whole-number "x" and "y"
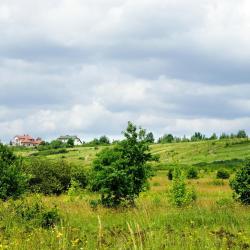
{"x": 87, "y": 67}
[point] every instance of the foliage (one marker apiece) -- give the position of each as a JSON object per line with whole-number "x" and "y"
{"x": 179, "y": 194}
{"x": 192, "y": 173}
{"x": 35, "y": 212}
{"x": 121, "y": 173}
{"x": 104, "y": 140}
{"x": 70, "y": 143}
{"x": 241, "y": 184}
{"x": 167, "y": 138}
{"x": 12, "y": 180}
{"x": 197, "y": 136}
{"x": 48, "y": 177}
{"x": 241, "y": 134}
{"x": 213, "y": 137}
{"x": 170, "y": 174}
{"x": 150, "y": 137}
{"x": 222, "y": 174}
{"x": 78, "y": 173}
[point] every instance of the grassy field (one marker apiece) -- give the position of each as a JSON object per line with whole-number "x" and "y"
{"x": 214, "y": 221}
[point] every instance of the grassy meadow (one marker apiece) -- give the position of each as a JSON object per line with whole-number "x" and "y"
{"x": 214, "y": 221}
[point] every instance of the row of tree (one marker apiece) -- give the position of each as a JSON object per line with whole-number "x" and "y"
{"x": 198, "y": 136}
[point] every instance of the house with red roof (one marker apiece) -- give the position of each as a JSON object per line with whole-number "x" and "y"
{"x": 26, "y": 141}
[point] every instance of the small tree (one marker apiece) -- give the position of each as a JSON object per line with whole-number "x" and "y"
{"x": 70, "y": 143}
{"x": 222, "y": 174}
{"x": 241, "y": 134}
{"x": 121, "y": 173}
{"x": 12, "y": 180}
{"x": 104, "y": 140}
{"x": 167, "y": 138}
{"x": 179, "y": 194}
{"x": 150, "y": 137}
{"x": 241, "y": 184}
{"x": 192, "y": 173}
{"x": 197, "y": 137}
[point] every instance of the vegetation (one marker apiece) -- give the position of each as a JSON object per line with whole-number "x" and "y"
{"x": 169, "y": 215}
{"x": 179, "y": 194}
{"x": 52, "y": 177}
{"x": 222, "y": 174}
{"x": 121, "y": 173}
{"x": 192, "y": 173}
{"x": 241, "y": 184}
{"x": 12, "y": 180}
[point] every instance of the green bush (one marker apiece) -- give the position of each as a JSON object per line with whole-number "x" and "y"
{"x": 34, "y": 212}
{"x": 241, "y": 184}
{"x": 179, "y": 194}
{"x": 78, "y": 173}
{"x": 120, "y": 173}
{"x": 222, "y": 174}
{"x": 13, "y": 181}
{"x": 192, "y": 173}
{"x": 53, "y": 177}
{"x": 170, "y": 174}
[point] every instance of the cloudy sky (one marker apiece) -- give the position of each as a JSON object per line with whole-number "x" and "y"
{"x": 86, "y": 67}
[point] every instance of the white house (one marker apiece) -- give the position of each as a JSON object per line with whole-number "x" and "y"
{"x": 65, "y": 139}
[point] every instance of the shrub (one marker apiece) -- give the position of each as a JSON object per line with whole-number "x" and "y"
{"x": 79, "y": 174}
{"x": 192, "y": 173}
{"x": 170, "y": 174}
{"x": 53, "y": 177}
{"x": 35, "y": 212}
{"x": 121, "y": 173}
{"x": 222, "y": 174}
{"x": 179, "y": 194}
{"x": 13, "y": 181}
{"x": 241, "y": 184}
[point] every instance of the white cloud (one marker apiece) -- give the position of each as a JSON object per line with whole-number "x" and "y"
{"x": 72, "y": 66}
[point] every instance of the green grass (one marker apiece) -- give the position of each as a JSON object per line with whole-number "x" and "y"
{"x": 214, "y": 221}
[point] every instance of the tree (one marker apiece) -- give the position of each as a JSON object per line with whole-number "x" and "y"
{"x": 57, "y": 144}
{"x": 150, "y": 137}
{"x": 213, "y": 137}
{"x": 241, "y": 184}
{"x": 12, "y": 180}
{"x": 197, "y": 136}
{"x": 241, "y": 134}
{"x": 121, "y": 173}
{"x": 104, "y": 140}
{"x": 224, "y": 136}
{"x": 167, "y": 138}
{"x": 179, "y": 193}
{"x": 70, "y": 142}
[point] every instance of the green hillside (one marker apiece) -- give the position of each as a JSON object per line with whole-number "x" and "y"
{"x": 203, "y": 153}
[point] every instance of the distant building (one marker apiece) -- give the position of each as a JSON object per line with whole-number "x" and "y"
{"x": 26, "y": 141}
{"x": 65, "y": 139}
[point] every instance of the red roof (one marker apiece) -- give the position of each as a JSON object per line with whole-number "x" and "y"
{"x": 27, "y": 139}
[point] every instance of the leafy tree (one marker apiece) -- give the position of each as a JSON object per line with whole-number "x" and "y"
{"x": 121, "y": 173}
{"x": 104, "y": 140}
{"x": 52, "y": 177}
{"x": 57, "y": 144}
{"x": 12, "y": 180}
{"x": 150, "y": 137}
{"x": 167, "y": 138}
{"x": 213, "y": 137}
{"x": 179, "y": 193}
{"x": 241, "y": 134}
{"x": 192, "y": 173}
{"x": 70, "y": 142}
{"x": 224, "y": 136}
{"x": 241, "y": 184}
{"x": 197, "y": 136}
{"x": 222, "y": 174}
